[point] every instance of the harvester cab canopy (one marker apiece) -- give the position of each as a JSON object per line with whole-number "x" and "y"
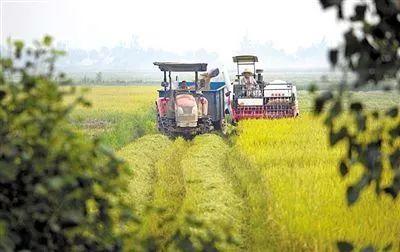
{"x": 245, "y": 60}
{"x": 180, "y": 67}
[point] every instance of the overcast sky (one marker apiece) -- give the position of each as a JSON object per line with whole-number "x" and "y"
{"x": 172, "y": 25}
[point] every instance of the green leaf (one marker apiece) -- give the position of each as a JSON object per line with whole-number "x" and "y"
{"x": 321, "y": 100}
{"x": 71, "y": 218}
{"x": 391, "y": 191}
{"x": 6, "y": 63}
{"x": 336, "y": 109}
{"x": 352, "y": 44}
{"x": 330, "y": 3}
{"x": 361, "y": 122}
{"x": 334, "y": 138}
{"x": 8, "y": 172}
{"x": 343, "y": 168}
{"x": 395, "y": 132}
{"x": 388, "y": 247}
{"x": 352, "y": 195}
{"x": 19, "y": 45}
{"x": 356, "y": 107}
{"x": 394, "y": 159}
{"x": 359, "y": 12}
{"x": 344, "y": 246}
{"x": 340, "y": 11}
{"x": 40, "y": 190}
{"x": 312, "y": 88}
{"x": 333, "y": 57}
{"x": 56, "y": 183}
{"x": 393, "y": 112}
{"x": 47, "y": 40}
{"x": 368, "y": 249}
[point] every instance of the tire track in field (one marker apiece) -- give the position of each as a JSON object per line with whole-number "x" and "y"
{"x": 183, "y": 177}
{"x": 169, "y": 192}
{"x": 141, "y": 157}
{"x": 210, "y": 195}
{"x": 251, "y": 186}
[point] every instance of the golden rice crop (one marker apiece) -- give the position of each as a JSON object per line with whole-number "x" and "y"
{"x": 111, "y": 100}
{"x": 277, "y": 187}
{"x": 254, "y": 192}
{"x": 306, "y": 194}
{"x": 118, "y": 114}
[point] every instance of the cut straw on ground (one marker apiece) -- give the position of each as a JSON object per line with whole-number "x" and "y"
{"x": 209, "y": 192}
{"x": 141, "y": 157}
{"x": 169, "y": 192}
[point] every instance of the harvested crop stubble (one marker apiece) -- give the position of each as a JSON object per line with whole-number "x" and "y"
{"x": 141, "y": 157}
{"x": 306, "y": 193}
{"x": 209, "y": 192}
{"x": 169, "y": 192}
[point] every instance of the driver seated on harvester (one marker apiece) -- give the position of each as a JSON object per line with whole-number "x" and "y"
{"x": 183, "y": 85}
{"x": 249, "y": 82}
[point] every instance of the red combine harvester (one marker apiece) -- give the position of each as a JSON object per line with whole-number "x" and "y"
{"x": 252, "y": 98}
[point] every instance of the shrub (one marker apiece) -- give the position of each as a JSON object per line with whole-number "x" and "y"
{"x": 55, "y": 184}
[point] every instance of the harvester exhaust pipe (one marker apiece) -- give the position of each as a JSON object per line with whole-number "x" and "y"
{"x": 259, "y": 73}
{"x": 228, "y": 90}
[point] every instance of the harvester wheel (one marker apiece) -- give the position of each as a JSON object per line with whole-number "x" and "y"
{"x": 207, "y": 126}
{"x": 218, "y": 125}
{"x": 159, "y": 126}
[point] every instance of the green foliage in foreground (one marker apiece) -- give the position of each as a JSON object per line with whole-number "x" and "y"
{"x": 54, "y": 183}
{"x": 370, "y": 51}
{"x": 60, "y": 190}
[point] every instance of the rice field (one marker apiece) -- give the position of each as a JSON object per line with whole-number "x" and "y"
{"x": 118, "y": 115}
{"x": 274, "y": 186}
{"x": 305, "y": 192}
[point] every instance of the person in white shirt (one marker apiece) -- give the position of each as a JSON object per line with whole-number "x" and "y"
{"x": 249, "y": 82}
